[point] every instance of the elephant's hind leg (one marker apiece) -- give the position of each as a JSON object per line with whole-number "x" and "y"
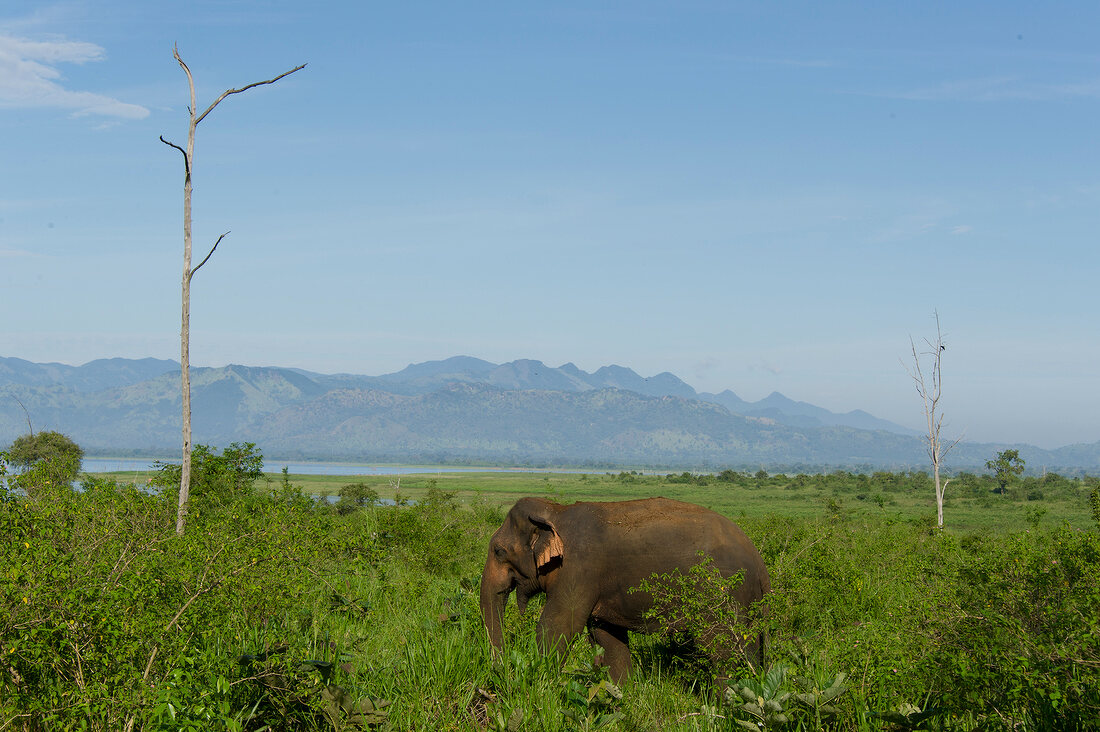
{"x": 615, "y": 642}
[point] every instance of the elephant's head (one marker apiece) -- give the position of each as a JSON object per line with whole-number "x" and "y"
{"x": 522, "y": 552}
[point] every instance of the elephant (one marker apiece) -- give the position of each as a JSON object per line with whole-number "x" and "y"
{"x": 589, "y": 558}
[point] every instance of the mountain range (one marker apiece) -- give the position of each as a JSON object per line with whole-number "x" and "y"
{"x": 465, "y": 410}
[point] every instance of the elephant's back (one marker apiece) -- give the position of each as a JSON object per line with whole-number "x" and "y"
{"x": 654, "y": 512}
{"x": 679, "y": 531}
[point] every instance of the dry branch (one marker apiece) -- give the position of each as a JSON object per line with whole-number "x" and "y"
{"x": 227, "y": 92}
{"x": 209, "y": 254}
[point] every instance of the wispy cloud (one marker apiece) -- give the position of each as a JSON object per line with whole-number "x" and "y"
{"x": 13, "y": 253}
{"x": 770, "y": 367}
{"x": 1078, "y": 89}
{"x": 997, "y": 89}
{"x": 29, "y": 78}
{"x": 906, "y": 227}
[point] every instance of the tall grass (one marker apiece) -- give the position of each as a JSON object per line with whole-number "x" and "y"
{"x": 278, "y": 612}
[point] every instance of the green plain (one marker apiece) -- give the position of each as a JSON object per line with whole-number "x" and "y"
{"x": 970, "y": 507}
{"x": 274, "y": 610}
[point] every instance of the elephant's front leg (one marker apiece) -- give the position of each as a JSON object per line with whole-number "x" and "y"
{"x": 566, "y": 613}
{"x": 615, "y": 642}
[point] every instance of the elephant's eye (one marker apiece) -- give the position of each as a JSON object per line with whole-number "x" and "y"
{"x": 499, "y": 552}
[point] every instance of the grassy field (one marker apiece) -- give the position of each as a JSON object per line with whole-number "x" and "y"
{"x": 275, "y": 611}
{"x": 970, "y": 508}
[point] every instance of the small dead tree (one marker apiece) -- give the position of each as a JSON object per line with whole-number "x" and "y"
{"x": 930, "y": 389}
{"x": 189, "y": 272}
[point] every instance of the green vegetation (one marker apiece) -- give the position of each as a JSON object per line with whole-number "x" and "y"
{"x": 276, "y": 611}
{"x": 1006, "y": 467}
{"x": 52, "y": 456}
{"x": 699, "y": 610}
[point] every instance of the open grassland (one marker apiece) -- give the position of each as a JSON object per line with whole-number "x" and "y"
{"x": 277, "y": 611}
{"x": 971, "y": 506}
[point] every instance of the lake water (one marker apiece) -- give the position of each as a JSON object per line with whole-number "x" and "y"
{"x": 118, "y": 465}
{"x": 114, "y": 465}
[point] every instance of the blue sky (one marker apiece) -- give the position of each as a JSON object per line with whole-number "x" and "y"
{"x": 754, "y": 196}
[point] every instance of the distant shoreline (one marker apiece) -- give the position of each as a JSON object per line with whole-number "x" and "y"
{"x": 139, "y": 464}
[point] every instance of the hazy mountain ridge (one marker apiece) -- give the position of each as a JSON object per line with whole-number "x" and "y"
{"x": 104, "y": 373}
{"x": 463, "y": 409}
{"x": 803, "y": 414}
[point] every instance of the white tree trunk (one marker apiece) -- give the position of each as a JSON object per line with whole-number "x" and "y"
{"x": 930, "y": 395}
{"x": 188, "y": 273}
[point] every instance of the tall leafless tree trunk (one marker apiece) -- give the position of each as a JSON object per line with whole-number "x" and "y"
{"x": 188, "y": 273}
{"x": 930, "y": 389}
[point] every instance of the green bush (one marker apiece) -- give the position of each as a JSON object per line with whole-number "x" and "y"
{"x": 355, "y": 496}
{"x": 697, "y": 609}
{"x": 108, "y": 618}
{"x": 1024, "y": 635}
{"x": 274, "y": 611}
{"x": 437, "y": 535}
{"x": 985, "y": 632}
{"x": 47, "y": 458}
{"x": 214, "y": 478}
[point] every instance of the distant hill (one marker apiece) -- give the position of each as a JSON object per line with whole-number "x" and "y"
{"x": 465, "y": 409}
{"x": 802, "y": 414}
{"x": 104, "y": 373}
{"x": 527, "y": 374}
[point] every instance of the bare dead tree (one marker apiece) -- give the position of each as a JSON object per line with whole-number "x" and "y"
{"x": 189, "y": 272}
{"x": 930, "y": 389}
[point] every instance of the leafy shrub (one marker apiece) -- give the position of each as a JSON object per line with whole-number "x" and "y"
{"x": 786, "y": 694}
{"x": 107, "y": 617}
{"x": 47, "y": 458}
{"x": 46, "y": 446}
{"x": 1024, "y": 634}
{"x": 594, "y": 706}
{"x": 435, "y": 534}
{"x": 355, "y": 496}
{"x": 698, "y": 609}
{"x": 214, "y": 478}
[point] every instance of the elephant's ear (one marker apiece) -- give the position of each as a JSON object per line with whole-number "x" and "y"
{"x": 546, "y": 544}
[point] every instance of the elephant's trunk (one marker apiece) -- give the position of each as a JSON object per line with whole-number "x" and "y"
{"x": 495, "y": 588}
